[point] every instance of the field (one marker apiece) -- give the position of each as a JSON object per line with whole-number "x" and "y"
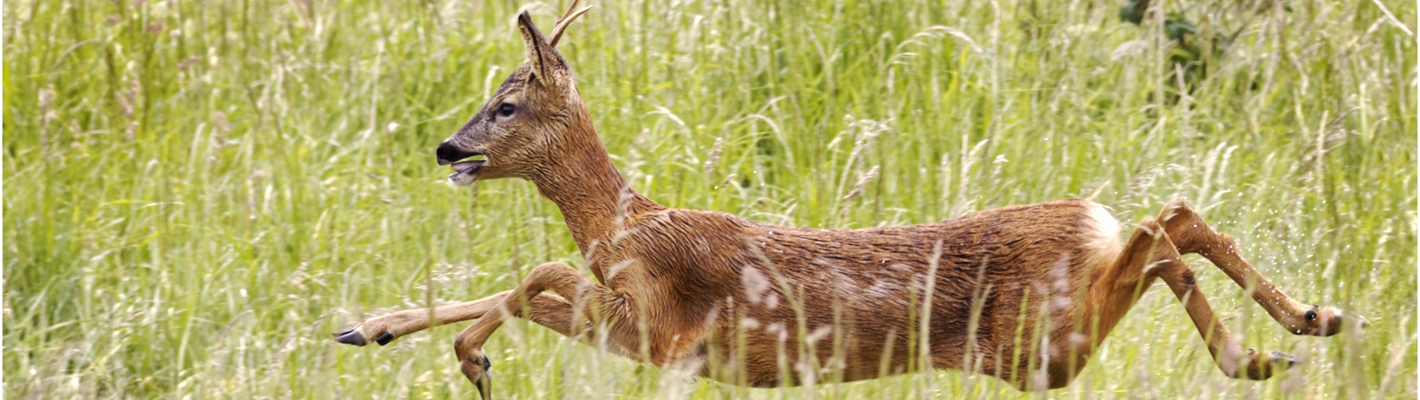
{"x": 196, "y": 194}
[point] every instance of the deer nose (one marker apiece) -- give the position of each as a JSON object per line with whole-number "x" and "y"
{"x": 449, "y": 154}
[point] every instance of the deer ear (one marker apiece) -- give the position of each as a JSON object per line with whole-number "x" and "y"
{"x": 539, "y": 56}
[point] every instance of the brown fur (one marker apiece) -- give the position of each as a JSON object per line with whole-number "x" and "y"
{"x": 759, "y": 305}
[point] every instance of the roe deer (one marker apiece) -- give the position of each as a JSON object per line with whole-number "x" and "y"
{"x": 731, "y": 299}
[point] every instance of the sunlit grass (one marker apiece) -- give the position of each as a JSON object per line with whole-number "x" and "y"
{"x": 197, "y": 193}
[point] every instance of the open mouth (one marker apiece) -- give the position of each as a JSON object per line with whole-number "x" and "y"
{"x": 466, "y": 169}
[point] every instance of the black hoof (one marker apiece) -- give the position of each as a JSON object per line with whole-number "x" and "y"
{"x": 485, "y": 387}
{"x": 352, "y": 337}
{"x": 384, "y": 338}
{"x": 476, "y": 370}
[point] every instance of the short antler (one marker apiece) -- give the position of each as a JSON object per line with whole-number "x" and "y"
{"x": 566, "y": 19}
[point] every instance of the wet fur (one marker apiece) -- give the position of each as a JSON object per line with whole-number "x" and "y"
{"x": 864, "y": 285}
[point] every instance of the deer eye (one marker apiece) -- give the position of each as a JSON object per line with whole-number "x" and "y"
{"x": 506, "y": 110}
{"x": 1311, "y": 315}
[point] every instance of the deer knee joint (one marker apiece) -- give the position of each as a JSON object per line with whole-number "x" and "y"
{"x": 465, "y": 344}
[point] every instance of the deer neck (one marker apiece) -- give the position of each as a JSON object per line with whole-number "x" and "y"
{"x": 589, "y": 191}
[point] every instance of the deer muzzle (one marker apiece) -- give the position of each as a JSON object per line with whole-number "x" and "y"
{"x": 465, "y": 163}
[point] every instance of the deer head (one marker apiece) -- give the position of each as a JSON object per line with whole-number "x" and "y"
{"x": 527, "y": 125}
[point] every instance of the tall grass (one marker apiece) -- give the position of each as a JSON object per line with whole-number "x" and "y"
{"x": 196, "y": 193}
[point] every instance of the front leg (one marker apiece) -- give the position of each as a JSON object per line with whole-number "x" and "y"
{"x": 386, "y": 328}
{"x": 546, "y": 309}
{"x": 556, "y": 277}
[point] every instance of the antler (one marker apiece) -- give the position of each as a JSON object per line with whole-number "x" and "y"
{"x": 566, "y": 19}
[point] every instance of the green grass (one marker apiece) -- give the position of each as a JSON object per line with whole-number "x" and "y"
{"x": 197, "y": 193}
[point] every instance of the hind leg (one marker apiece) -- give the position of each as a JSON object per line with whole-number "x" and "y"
{"x": 1150, "y": 255}
{"x": 1192, "y": 235}
{"x": 1230, "y": 357}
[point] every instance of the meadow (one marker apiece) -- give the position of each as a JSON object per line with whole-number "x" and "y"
{"x": 197, "y": 193}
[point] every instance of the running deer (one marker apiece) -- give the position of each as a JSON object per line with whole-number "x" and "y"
{"x": 731, "y": 299}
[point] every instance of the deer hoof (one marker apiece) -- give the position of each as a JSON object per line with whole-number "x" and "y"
{"x": 352, "y": 337}
{"x": 476, "y": 370}
{"x": 384, "y": 338}
{"x": 1262, "y": 366}
{"x": 1328, "y": 321}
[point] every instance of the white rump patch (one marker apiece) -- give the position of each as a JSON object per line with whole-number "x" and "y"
{"x": 1105, "y": 245}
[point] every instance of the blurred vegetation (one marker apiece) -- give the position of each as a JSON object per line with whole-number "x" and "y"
{"x": 197, "y": 193}
{"x": 1191, "y": 49}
